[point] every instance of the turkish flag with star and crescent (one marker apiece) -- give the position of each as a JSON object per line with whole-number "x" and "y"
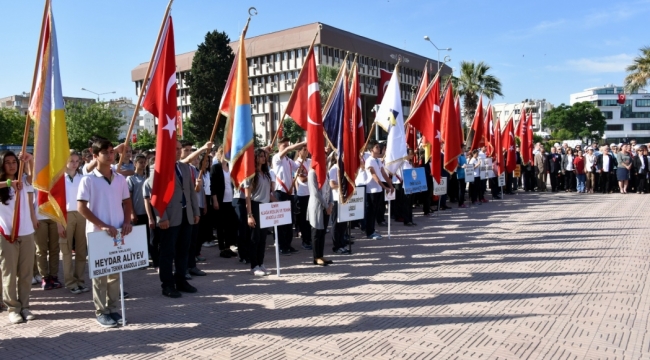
{"x": 160, "y": 101}
{"x": 305, "y": 109}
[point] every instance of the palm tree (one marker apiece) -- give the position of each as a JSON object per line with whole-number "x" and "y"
{"x": 474, "y": 80}
{"x": 326, "y": 78}
{"x": 639, "y": 72}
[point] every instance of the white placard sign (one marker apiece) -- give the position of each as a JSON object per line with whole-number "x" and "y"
{"x": 389, "y": 196}
{"x": 440, "y": 189}
{"x": 107, "y": 255}
{"x": 488, "y": 162}
{"x": 354, "y": 209}
{"x": 275, "y": 214}
{"x": 502, "y": 179}
{"x": 469, "y": 173}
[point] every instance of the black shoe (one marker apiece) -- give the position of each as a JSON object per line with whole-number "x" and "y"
{"x": 408, "y": 224}
{"x": 186, "y": 287}
{"x": 197, "y": 272}
{"x": 232, "y": 253}
{"x": 285, "y": 252}
{"x": 292, "y": 250}
{"x": 225, "y": 254}
{"x": 171, "y": 292}
{"x": 117, "y": 318}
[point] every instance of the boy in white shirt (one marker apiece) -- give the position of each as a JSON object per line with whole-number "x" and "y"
{"x": 375, "y": 189}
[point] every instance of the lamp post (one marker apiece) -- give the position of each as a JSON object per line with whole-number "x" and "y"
{"x": 426, "y": 38}
{"x": 90, "y": 91}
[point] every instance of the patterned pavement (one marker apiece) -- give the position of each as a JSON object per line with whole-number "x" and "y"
{"x": 534, "y": 276}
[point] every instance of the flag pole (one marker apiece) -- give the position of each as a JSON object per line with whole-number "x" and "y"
{"x": 217, "y": 118}
{"x": 21, "y": 166}
{"x": 284, "y": 113}
{"x": 144, "y": 84}
{"x": 330, "y": 97}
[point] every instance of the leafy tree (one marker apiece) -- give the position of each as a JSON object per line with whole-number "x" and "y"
{"x": 146, "y": 140}
{"x": 85, "y": 120}
{"x": 210, "y": 69}
{"x": 13, "y": 126}
{"x": 639, "y": 72}
{"x": 291, "y": 130}
{"x": 582, "y": 120}
{"x": 561, "y": 135}
{"x": 326, "y": 78}
{"x": 473, "y": 81}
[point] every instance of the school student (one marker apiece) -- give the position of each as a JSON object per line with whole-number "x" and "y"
{"x": 104, "y": 201}
{"x": 16, "y": 258}
{"x": 375, "y": 188}
{"x": 73, "y": 273}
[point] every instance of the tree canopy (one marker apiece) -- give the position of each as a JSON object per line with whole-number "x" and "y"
{"x": 146, "y": 140}
{"x": 475, "y": 79}
{"x": 85, "y": 120}
{"x": 210, "y": 68}
{"x": 582, "y": 120}
{"x": 639, "y": 71}
{"x": 12, "y": 125}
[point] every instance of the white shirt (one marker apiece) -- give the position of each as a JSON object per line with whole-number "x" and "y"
{"x": 362, "y": 177}
{"x": 569, "y": 164}
{"x": 589, "y": 162}
{"x": 302, "y": 189}
{"x": 283, "y": 168}
{"x": 400, "y": 172}
{"x": 227, "y": 192}
{"x": 7, "y": 211}
{"x": 642, "y": 158}
{"x": 71, "y": 190}
{"x": 477, "y": 170}
{"x": 334, "y": 176}
{"x": 372, "y": 186}
{"x": 606, "y": 163}
{"x": 104, "y": 199}
{"x": 206, "y": 184}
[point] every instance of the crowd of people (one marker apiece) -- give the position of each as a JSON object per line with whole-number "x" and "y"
{"x": 207, "y": 211}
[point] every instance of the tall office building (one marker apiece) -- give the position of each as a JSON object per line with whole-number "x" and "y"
{"x": 275, "y": 60}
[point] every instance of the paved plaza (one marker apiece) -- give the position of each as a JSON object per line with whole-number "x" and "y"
{"x": 534, "y": 276}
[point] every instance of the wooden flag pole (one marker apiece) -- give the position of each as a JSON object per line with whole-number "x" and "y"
{"x": 216, "y": 120}
{"x": 21, "y": 166}
{"x": 144, "y": 85}
{"x": 284, "y": 113}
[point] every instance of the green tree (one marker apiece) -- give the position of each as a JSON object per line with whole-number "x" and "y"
{"x": 639, "y": 71}
{"x": 210, "y": 68}
{"x": 291, "y": 130}
{"x": 326, "y": 78}
{"x": 561, "y": 135}
{"x": 146, "y": 140}
{"x": 13, "y": 126}
{"x": 473, "y": 81}
{"x": 85, "y": 120}
{"x": 582, "y": 120}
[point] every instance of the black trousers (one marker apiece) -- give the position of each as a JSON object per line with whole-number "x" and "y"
{"x": 338, "y": 235}
{"x": 604, "y": 183}
{"x": 555, "y": 181}
{"x": 461, "y": 192}
{"x": 427, "y": 196}
{"x": 452, "y": 187}
{"x": 318, "y": 242}
{"x": 285, "y": 232}
{"x": 406, "y": 205}
{"x": 482, "y": 188}
{"x": 397, "y": 208}
{"x": 494, "y": 186}
{"x": 569, "y": 180}
{"x": 257, "y": 239}
{"x": 144, "y": 220}
{"x": 226, "y": 218}
{"x": 174, "y": 246}
{"x": 301, "y": 219}
{"x": 243, "y": 230}
{"x": 641, "y": 182}
{"x": 474, "y": 188}
{"x": 374, "y": 206}
{"x": 191, "y": 257}
{"x": 530, "y": 180}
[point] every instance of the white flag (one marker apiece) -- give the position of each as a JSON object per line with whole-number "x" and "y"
{"x": 391, "y": 119}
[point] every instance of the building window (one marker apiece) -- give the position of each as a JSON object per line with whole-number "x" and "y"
{"x": 284, "y": 55}
{"x": 608, "y": 114}
{"x": 506, "y": 113}
{"x": 640, "y": 126}
{"x": 611, "y": 103}
{"x": 277, "y": 57}
{"x": 517, "y": 111}
{"x": 643, "y": 102}
{"x": 614, "y": 127}
{"x": 304, "y": 51}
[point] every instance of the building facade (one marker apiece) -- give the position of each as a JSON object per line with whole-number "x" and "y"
{"x": 21, "y": 102}
{"x": 275, "y": 59}
{"x": 625, "y": 122}
{"x": 125, "y": 108}
{"x": 537, "y": 107}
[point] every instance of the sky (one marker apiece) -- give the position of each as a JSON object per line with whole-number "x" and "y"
{"x": 540, "y": 50}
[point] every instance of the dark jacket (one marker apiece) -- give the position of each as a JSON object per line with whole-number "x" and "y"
{"x": 637, "y": 165}
{"x": 217, "y": 182}
{"x": 612, "y": 162}
{"x": 554, "y": 163}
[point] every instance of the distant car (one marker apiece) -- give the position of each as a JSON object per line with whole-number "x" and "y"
{"x": 543, "y": 134}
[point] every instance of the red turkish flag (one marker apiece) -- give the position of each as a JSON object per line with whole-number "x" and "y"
{"x": 357, "y": 118}
{"x": 488, "y": 135}
{"x": 522, "y": 133}
{"x": 384, "y": 79}
{"x": 305, "y": 109}
{"x": 621, "y": 99}
{"x": 498, "y": 151}
{"x": 424, "y": 85}
{"x": 451, "y": 131}
{"x": 422, "y": 116}
{"x": 508, "y": 142}
{"x": 529, "y": 135}
{"x": 436, "y": 138}
{"x": 478, "y": 125}
{"x": 160, "y": 101}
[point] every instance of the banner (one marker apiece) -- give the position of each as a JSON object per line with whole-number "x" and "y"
{"x": 502, "y": 179}
{"x": 275, "y": 214}
{"x": 414, "y": 181}
{"x": 107, "y": 255}
{"x": 517, "y": 172}
{"x": 354, "y": 208}
{"x": 469, "y": 173}
{"x": 440, "y": 189}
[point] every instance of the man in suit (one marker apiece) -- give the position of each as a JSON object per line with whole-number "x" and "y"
{"x": 541, "y": 168}
{"x": 175, "y": 225}
{"x": 605, "y": 166}
{"x": 641, "y": 169}
{"x": 554, "y": 168}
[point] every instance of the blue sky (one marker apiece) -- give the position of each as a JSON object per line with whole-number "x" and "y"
{"x": 537, "y": 49}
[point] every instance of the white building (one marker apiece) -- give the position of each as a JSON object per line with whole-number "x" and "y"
{"x": 538, "y": 108}
{"x": 126, "y": 108}
{"x": 624, "y": 121}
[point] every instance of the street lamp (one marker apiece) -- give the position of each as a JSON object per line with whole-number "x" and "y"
{"x": 110, "y": 92}
{"x": 426, "y": 38}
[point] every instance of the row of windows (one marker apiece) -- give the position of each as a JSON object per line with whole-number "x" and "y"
{"x": 608, "y": 114}
{"x": 267, "y": 79}
{"x": 643, "y": 102}
{"x": 635, "y": 126}
{"x": 611, "y": 102}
